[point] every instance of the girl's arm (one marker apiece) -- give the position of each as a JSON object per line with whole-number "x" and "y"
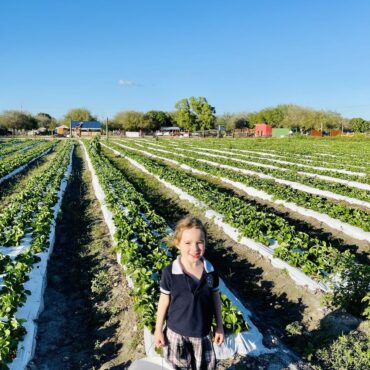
{"x": 164, "y": 302}
{"x": 219, "y": 333}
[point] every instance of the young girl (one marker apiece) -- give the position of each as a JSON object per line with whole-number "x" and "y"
{"x": 188, "y": 302}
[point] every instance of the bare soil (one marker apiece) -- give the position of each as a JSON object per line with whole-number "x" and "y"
{"x": 88, "y": 321}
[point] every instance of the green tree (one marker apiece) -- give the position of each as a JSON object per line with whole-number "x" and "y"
{"x": 172, "y": 118}
{"x": 233, "y": 121}
{"x": 224, "y": 120}
{"x": 254, "y": 118}
{"x": 185, "y": 118}
{"x": 45, "y": 120}
{"x": 238, "y": 121}
{"x": 293, "y": 117}
{"x": 16, "y": 120}
{"x": 297, "y": 117}
{"x": 333, "y": 120}
{"x": 156, "y": 119}
{"x": 271, "y": 116}
{"x": 204, "y": 112}
{"x": 195, "y": 114}
{"x": 77, "y": 114}
{"x": 359, "y": 125}
{"x": 130, "y": 120}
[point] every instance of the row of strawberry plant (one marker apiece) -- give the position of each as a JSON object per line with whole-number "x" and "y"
{"x": 12, "y": 162}
{"x": 15, "y": 268}
{"x": 9, "y": 142}
{"x": 347, "y": 175}
{"x": 311, "y": 165}
{"x": 16, "y": 219}
{"x": 285, "y": 154}
{"x": 10, "y": 152}
{"x": 284, "y": 159}
{"x": 347, "y": 148}
{"x": 317, "y": 183}
{"x": 12, "y": 296}
{"x": 139, "y": 236}
{"x": 315, "y": 257}
{"x": 318, "y": 160}
{"x": 17, "y": 146}
{"x": 345, "y": 213}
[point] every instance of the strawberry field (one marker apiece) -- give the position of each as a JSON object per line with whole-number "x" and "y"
{"x": 287, "y": 218}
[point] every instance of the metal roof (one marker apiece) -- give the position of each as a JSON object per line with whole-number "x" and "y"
{"x": 86, "y": 124}
{"x": 172, "y": 128}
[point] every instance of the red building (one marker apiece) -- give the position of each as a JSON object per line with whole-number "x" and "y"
{"x": 263, "y": 129}
{"x": 316, "y": 133}
{"x": 335, "y": 132}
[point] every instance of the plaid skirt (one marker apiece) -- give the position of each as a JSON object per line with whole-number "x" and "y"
{"x": 189, "y": 353}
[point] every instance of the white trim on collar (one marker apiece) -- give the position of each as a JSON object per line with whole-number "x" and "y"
{"x": 177, "y": 270}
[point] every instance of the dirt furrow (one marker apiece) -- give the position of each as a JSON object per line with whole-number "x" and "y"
{"x": 88, "y": 321}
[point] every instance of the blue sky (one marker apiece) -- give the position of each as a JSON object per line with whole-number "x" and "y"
{"x": 115, "y": 55}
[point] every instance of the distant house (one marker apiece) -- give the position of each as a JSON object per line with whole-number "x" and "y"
{"x": 263, "y": 130}
{"x": 86, "y": 128}
{"x": 315, "y": 132}
{"x": 170, "y": 131}
{"x": 62, "y": 130}
{"x": 335, "y": 132}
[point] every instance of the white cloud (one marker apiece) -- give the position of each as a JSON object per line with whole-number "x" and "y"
{"x": 127, "y": 83}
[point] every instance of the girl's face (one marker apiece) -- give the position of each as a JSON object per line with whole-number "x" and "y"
{"x": 192, "y": 245}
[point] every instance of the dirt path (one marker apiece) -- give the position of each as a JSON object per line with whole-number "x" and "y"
{"x": 88, "y": 321}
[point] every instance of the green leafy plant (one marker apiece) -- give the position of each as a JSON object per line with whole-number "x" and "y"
{"x": 12, "y": 162}
{"x": 139, "y": 236}
{"x": 350, "y": 351}
{"x": 30, "y": 211}
{"x": 352, "y": 291}
{"x": 313, "y": 256}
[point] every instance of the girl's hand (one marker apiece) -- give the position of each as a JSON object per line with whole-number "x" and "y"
{"x": 219, "y": 336}
{"x": 159, "y": 339}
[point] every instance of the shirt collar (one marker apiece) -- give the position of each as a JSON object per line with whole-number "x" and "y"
{"x": 177, "y": 270}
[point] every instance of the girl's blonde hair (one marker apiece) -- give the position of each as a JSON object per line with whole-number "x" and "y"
{"x": 188, "y": 223}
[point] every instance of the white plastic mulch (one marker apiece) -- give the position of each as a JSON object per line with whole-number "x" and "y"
{"x": 36, "y": 285}
{"x": 244, "y": 343}
{"x": 18, "y": 151}
{"x": 21, "y": 168}
{"x": 345, "y": 228}
{"x": 292, "y": 184}
{"x": 297, "y": 275}
{"x": 351, "y": 183}
{"x": 338, "y": 170}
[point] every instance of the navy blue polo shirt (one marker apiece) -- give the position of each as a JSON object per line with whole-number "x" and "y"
{"x": 191, "y": 307}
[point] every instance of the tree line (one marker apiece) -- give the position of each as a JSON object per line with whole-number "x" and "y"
{"x": 194, "y": 114}
{"x": 17, "y": 120}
